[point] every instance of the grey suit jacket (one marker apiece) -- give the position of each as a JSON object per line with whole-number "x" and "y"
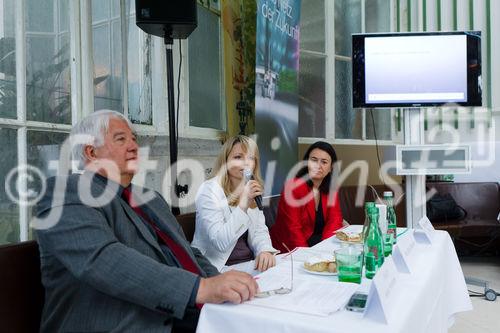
{"x": 102, "y": 268}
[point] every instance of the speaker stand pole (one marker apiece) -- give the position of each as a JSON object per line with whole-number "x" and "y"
{"x": 172, "y": 134}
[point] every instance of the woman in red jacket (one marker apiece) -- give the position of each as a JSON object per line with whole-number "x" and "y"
{"x": 308, "y": 210}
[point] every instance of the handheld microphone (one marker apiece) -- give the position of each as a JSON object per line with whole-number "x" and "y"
{"x": 247, "y": 174}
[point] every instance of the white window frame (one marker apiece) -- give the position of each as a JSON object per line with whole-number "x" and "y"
{"x": 158, "y": 76}
{"x": 330, "y": 57}
{"x": 159, "y": 90}
{"x": 21, "y": 124}
{"x": 186, "y": 130}
{"x": 82, "y": 87}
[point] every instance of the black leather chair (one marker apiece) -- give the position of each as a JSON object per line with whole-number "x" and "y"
{"x": 187, "y": 222}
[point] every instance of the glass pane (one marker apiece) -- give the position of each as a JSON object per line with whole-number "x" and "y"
{"x": 102, "y": 64}
{"x": 43, "y": 154}
{"x": 312, "y": 96}
{"x": 41, "y": 15}
{"x": 205, "y": 105}
{"x": 382, "y": 119}
{"x": 347, "y": 22}
{"x": 9, "y": 210}
{"x": 347, "y": 120}
{"x": 63, "y": 16}
{"x": 48, "y": 94}
{"x": 215, "y": 5}
{"x": 108, "y": 78}
{"x": 43, "y": 148}
{"x": 312, "y": 25}
{"x": 134, "y": 72}
{"x": 8, "y": 90}
{"x": 116, "y": 57}
{"x": 140, "y": 96}
{"x": 115, "y": 8}
{"x": 130, "y": 7}
{"x": 100, "y": 10}
{"x": 377, "y": 16}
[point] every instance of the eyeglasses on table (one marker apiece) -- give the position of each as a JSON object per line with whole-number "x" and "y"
{"x": 282, "y": 290}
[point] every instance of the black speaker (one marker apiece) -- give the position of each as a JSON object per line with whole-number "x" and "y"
{"x": 166, "y": 18}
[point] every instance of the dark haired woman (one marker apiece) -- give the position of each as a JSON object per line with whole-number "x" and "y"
{"x": 308, "y": 211}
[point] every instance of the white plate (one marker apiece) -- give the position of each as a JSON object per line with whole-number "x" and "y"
{"x": 318, "y": 273}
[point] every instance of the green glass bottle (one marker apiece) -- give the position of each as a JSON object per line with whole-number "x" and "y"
{"x": 380, "y": 258}
{"x": 391, "y": 217}
{"x": 373, "y": 245}
{"x": 366, "y": 224}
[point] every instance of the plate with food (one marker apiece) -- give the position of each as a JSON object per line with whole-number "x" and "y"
{"x": 321, "y": 265}
{"x": 350, "y": 235}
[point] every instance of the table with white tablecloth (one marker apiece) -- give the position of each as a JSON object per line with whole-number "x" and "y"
{"x": 426, "y": 300}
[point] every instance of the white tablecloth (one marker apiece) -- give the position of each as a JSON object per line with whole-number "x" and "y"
{"x": 427, "y": 301}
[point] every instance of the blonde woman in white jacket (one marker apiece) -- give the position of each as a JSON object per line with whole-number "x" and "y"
{"x": 230, "y": 229}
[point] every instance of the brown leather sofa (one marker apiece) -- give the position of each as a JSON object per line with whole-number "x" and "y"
{"x": 479, "y": 231}
{"x": 351, "y": 212}
{"x": 355, "y": 214}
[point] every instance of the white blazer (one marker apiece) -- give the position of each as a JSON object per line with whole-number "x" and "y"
{"x": 218, "y": 225}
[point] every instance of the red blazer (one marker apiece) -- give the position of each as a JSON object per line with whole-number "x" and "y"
{"x": 295, "y": 223}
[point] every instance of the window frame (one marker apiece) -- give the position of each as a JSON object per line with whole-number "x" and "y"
{"x": 20, "y": 123}
{"x": 330, "y": 58}
{"x": 160, "y": 122}
{"x": 81, "y": 69}
{"x": 186, "y": 130}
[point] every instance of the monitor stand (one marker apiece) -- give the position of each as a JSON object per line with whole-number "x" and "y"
{"x": 415, "y": 184}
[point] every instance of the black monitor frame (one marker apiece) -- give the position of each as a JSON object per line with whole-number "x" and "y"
{"x": 474, "y": 89}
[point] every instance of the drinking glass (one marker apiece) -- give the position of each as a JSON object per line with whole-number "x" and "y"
{"x": 349, "y": 263}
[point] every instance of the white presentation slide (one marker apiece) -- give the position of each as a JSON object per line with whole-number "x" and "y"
{"x": 416, "y": 69}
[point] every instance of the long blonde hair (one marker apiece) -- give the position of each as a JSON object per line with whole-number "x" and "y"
{"x": 220, "y": 167}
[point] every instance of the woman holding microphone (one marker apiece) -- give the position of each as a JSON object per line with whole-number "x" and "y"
{"x": 230, "y": 228}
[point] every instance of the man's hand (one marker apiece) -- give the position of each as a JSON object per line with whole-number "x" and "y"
{"x": 264, "y": 261}
{"x": 233, "y": 286}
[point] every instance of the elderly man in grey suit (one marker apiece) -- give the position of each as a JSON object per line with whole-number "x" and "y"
{"x": 113, "y": 257}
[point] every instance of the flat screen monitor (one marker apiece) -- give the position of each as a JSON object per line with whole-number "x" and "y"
{"x": 416, "y": 69}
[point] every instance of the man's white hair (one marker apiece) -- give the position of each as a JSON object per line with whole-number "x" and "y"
{"x": 91, "y": 131}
